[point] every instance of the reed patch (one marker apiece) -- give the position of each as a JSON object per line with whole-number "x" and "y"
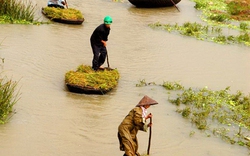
{"x": 16, "y": 12}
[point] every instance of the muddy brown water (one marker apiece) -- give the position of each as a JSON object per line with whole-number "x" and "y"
{"x": 51, "y": 121}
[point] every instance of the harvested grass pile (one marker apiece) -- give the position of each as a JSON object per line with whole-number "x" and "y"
{"x": 59, "y": 13}
{"x": 86, "y": 77}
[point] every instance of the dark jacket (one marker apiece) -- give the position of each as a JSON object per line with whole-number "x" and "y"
{"x": 100, "y": 33}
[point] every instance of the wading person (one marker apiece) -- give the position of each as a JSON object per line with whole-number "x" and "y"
{"x": 57, "y": 3}
{"x": 134, "y": 121}
{"x": 98, "y": 42}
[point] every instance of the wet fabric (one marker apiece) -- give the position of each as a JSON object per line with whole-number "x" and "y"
{"x": 128, "y": 129}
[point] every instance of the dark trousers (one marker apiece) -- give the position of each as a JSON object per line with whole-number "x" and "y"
{"x": 56, "y": 6}
{"x": 100, "y": 53}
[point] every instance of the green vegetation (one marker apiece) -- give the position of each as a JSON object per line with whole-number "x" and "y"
{"x": 219, "y": 113}
{"x": 207, "y": 32}
{"x": 85, "y": 76}
{"x": 8, "y": 97}
{"x": 14, "y": 11}
{"x": 70, "y": 13}
{"x": 219, "y": 15}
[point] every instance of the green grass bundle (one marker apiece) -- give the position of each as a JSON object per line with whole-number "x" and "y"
{"x": 86, "y": 77}
{"x": 69, "y": 13}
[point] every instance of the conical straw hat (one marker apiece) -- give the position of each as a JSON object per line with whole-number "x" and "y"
{"x": 146, "y": 101}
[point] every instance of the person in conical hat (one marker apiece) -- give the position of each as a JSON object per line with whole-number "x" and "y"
{"x": 132, "y": 123}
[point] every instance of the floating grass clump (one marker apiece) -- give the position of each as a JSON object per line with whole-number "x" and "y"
{"x": 58, "y": 13}
{"x": 219, "y": 15}
{"x": 219, "y": 113}
{"x": 207, "y": 32}
{"x": 86, "y": 80}
{"x": 15, "y": 11}
{"x": 8, "y": 98}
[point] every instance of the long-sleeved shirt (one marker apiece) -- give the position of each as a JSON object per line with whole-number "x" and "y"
{"x": 99, "y": 34}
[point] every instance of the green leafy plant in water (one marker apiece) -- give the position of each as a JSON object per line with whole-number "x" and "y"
{"x": 214, "y": 112}
{"x": 219, "y": 15}
{"x": 8, "y": 98}
{"x": 205, "y": 107}
{"x": 143, "y": 83}
{"x": 244, "y": 26}
{"x": 172, "y": 85}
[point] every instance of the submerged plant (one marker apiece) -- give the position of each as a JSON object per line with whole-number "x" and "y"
{"x": 144, "y": 83}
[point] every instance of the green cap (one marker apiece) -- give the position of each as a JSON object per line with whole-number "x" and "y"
{"x": 107, "y": 20}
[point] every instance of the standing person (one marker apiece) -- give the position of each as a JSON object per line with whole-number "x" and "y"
{"x": 57, "y": 3}
{"x": 134, "y": 121}
{"x": 98, "y": 42}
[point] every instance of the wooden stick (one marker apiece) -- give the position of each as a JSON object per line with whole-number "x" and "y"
{"x": 150, "y": 133}
{"x": 107, "y": 59}
{"x": 175, "y": 5}
{"x": 66, "y": 4}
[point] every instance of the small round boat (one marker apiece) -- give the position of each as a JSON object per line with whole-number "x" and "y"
{"x": 87, "y": 81}
{"x": 153, "y": 3}
{"x": 56, "y": 14}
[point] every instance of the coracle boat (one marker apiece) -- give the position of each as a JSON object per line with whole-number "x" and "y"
{"x": 153, "y": 3}
{"x": 66, "y": 16}
{"x": 87, "y": 81}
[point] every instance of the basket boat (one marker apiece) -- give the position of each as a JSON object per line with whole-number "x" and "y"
{"x": 153, "y": 3}
{"x": 86, "y": 90}
{"x": 87, "y": 81}
{"x": 63, "y": 20}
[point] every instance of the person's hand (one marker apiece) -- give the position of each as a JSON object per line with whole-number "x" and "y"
{"x": 104, "y": 43}
{"x": 150, "y": 124}
{"x": 149, "y": 116}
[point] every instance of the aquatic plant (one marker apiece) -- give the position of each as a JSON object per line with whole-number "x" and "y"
{"x": 219, "y": 113}
{"x": 207, "y": 32}
{"x": 224, "y": 9}
{"x": 8, "y": 98}
{"x": 85, "y": 76}
{"x": 144, "y": 83}
{"x": 15, "y": 11}
{"x": 69, "y": 13}
{"x": 219, "y": 15}
{"x": 172, "y": 85}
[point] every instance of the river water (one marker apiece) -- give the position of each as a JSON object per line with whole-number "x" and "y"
{"x": 50, "y": 121}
